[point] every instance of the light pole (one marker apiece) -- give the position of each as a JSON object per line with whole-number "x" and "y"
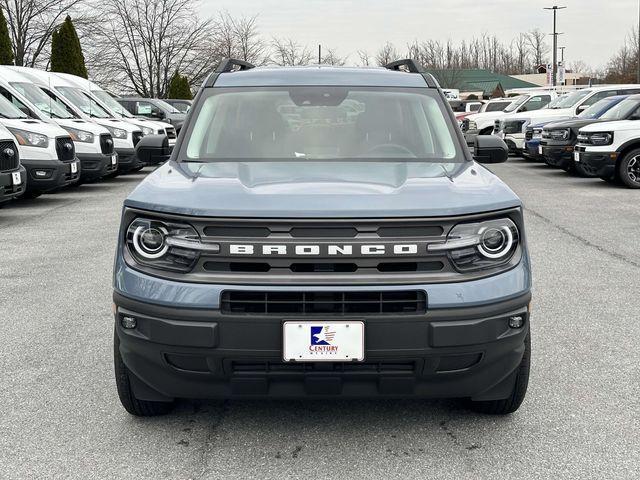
{"x": 555, "y": 9}
{"x": 638, "y": 46}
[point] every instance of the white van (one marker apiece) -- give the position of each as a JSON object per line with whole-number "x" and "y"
{"x": 107, "y": 102}
{"x": 12, "y": 174}
{"x": 125, "y": 135}
{"x": 47, "y": 152}
{"x": 94, "y": 144}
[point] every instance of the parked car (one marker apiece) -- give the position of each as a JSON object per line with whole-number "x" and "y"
{"x": 111, "y": 106}
{"x": 559, "y": 138}
{"x": 492, "y": 105}
{"x": 46, "y": 151}
{"x": 12, "y": 174}
{"x": 512, "y": 128}
{"x": 153, "y": 108}
{"x": 125, "y": 135}
{"x": 179, "y": 104}
{"x": 611, "y": 150}
{"x": 262, "y": 260}
{"x": 93, "y": 143}
{"x": 489, "y": 122}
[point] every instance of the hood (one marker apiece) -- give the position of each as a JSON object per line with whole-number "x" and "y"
{"x": 485, "y": 116}
{"x": 547, "y": 114}
{"x": 37, "y": 126}
{"x": 318, "y": 190}
{"x": 574, "y": 123}
{"x": 618, "y": 126}
{"x": 82, "y": 125}
{"x": 115, "y": 123}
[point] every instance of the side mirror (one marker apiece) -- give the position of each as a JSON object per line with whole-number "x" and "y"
{"x": 153, "y": 149}
{"x": 490, "y": 149}
{"x": 157, "y": 113}
{"x": 582, "y": 108}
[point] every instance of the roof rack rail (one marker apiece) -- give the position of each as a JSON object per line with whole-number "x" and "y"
{"x": 413, "y": 67}
{"x": 227, "y": 65}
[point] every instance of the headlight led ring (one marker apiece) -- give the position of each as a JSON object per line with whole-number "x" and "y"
{"x": 147, "y": 251}
{"x": 499, "y": 250}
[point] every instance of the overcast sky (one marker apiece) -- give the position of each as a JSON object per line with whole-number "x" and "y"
{"x": 593, "y": 29}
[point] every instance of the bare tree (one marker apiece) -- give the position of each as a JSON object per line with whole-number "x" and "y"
{"x": 386, "y": 54}
{"x": 239, "y": 38}
{"x": 330, "y": 57}
{"x": 286, "y": 52}
{"x": 364, "y": 57}
{"x": 31, "y": 23}
{"x": 537, "y": 46}
{"x": 521, "y": 53}
{"x": 141, "y": 43}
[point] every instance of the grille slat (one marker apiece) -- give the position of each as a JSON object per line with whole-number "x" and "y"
{"x": 410, "y": 302}
{"x": 65, "y": 149}
{"x": 9, "y": 157}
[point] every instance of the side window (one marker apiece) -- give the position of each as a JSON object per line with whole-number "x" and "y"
{"x": 630, "y": 91}
{"x": 16, "y": 103}
{"x": 535, "y": 103}
{"x": 596, "y": 98}
{"x": 636, "y": 114}
{"x": 144, "y": 108}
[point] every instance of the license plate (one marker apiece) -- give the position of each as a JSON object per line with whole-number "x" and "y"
{"x": 323, "y": 341}
{"x": 16, "y": 178}
{"x": 114, "y": 159}
{"x": 576, "y": 156}
{"x": 539, "y": 149}
{"x": 74, "y": 167}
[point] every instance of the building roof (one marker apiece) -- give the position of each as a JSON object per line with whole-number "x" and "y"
{"x": 478, "y": 79}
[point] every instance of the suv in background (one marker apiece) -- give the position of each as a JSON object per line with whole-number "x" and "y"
{"x": 182, "y": 105}
{"x": 153, "y": 108}
{"x": 322, "y": 232}
{"x": 558, "y": 138}
{"x": 611, "y": 150}
{"x": 12, "y": 174}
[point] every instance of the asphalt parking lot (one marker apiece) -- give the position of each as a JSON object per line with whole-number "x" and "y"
{"x": 61, "y": 417}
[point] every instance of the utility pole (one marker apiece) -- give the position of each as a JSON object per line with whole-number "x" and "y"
{"x": 554, "y": 76}
{"x": 319, "y": 54}
{"x": 638, "y": 46}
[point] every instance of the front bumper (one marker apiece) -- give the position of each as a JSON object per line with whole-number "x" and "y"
{"x": 48, "y": 175}
{"x": 191, "y": 353}
{"x": 558, "y": 155}
{"x": 127, "y": 159}
{"x": 9, "y": 187}
{"x": 532, "y": 149}
{"x": 515, "y": 142}
{"x": 597, "y": 163}
{"x": 97, "y": 165}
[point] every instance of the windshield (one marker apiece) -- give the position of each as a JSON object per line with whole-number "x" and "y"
{"x": 165, "y": 106}
{"x": 621, "y": 111}
{"x": 516, "y": 103}
{"x": 595, "y": 110}
{"x": 111, "y": 103}
{"x": 83, "y": 101}
{"x": 496, "y": 106}
{"x": 41, "y": 100}
{"x": 326, "y": 123}
{"x": 571, "y": 99}
{"x": 9, "y": 110}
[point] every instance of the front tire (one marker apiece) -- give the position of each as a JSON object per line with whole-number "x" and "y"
{"x": 133, "y": 405}
{"x": 513, "y": 401}
{"x": 629, "y": 169}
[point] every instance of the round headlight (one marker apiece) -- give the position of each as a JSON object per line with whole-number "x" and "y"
{"x": 495, "y": 242}
{"x": 150, "y": 241}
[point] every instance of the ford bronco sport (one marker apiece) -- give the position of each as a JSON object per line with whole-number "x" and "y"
{"x": 324, "y": 232}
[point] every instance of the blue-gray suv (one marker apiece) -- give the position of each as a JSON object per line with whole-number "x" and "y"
{"x": 321, "y": 232}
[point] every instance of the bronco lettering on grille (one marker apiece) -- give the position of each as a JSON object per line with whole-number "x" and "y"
{"x": 311, "y": 250}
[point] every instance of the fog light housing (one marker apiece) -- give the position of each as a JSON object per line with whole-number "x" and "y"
{"x": 516, "y": 321}
{"x": 42, "y": 173}
{"x": 128, "y": 322}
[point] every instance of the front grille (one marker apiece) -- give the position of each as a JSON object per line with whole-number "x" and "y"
{"x": 256, "y": 367}
{"x": 9, "y": 157}
{"x": 65, "y": 149}
{"x": 106, "y": 143}
{"x": 136, "y": 137}
{"x": 409, "y": 302}
{"x": 171, "y": 132}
